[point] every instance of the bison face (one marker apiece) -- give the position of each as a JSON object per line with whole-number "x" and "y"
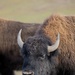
{"x": 38, "y": 60}
{"x": 34, "y": 52}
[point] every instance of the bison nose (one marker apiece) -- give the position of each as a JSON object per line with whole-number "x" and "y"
{"x": 28, "y": 73}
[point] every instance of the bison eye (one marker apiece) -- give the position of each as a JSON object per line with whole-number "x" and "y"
{"x": 42, "y": 56}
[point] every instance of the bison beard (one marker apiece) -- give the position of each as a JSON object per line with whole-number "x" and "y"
{"x": 40, "y": 61}
{"x": 10, "y": 58}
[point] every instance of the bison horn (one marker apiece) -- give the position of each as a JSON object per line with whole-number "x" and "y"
{"x": 55, "y": 46}
{"x": 19, "y": 40}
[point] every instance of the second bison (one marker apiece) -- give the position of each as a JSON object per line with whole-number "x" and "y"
{"x": 10, "y": 58}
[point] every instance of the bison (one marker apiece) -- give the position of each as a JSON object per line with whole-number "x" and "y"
{"x": 10, "y": 58}
{"x": 42, "y": 55}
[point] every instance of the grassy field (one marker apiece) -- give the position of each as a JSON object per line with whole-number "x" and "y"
{"x": 34, "y": 10}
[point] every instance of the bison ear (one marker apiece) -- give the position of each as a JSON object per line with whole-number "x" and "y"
{"x": 19, "y": 40}
{"x": 55, "y": 46}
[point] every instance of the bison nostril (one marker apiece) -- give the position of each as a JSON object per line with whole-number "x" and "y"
{"x": 28, "y": 73}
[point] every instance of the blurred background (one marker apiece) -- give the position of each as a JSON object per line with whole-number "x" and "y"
{"x": 37, "y": 11}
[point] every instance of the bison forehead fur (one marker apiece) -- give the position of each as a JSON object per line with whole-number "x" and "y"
{"x": 64, "y": 55}
{"x": 34, "y": 45}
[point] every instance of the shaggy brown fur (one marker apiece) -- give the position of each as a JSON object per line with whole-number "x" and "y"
{"x": 9, "y": 51}
{"x": 65, "y": 25}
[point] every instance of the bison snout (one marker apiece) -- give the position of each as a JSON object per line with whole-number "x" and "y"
{"x": 27, "y": 73}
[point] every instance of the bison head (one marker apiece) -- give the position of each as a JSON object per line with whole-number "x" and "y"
{"x": 39, "y": 57}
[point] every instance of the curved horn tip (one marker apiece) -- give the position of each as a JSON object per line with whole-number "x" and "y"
{"x": 58, "y": 36}
{"x": 19, "y": 40}
{"x": 55, "y": 46}
{"x": 20, "y": 31}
